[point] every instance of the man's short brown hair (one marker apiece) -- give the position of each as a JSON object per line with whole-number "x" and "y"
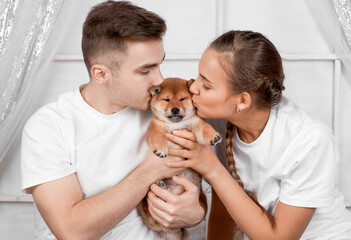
{"x": 110, "y": 25}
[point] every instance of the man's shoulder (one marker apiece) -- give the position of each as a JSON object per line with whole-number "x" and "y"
{"x": 52, "y": 112}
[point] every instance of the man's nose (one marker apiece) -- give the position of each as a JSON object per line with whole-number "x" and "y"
{"x": 158, "y": 78}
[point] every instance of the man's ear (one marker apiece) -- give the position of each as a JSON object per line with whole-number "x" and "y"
{"x": 100, "y": 73}
{"x": 188, "y": 83}
{"x": 155, "y": 90}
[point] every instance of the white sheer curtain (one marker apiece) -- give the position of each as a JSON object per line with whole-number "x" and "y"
{"x": 30, "y": 31}
{"x": 333, "y": 17}
{"x": 343, "y": 49}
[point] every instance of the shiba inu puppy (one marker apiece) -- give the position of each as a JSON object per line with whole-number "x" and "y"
{"x": 172, "y": 109}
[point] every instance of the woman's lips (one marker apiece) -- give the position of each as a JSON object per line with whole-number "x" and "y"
{"x": 194, "y": 104}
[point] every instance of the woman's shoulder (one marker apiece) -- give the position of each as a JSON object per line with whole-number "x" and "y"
{"x": 302, "y": 130}
{"x": 294, "y": 118}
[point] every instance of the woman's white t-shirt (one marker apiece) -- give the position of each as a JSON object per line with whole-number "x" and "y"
{"x": 295, "y": 161}
{"x": 69, "y": 136}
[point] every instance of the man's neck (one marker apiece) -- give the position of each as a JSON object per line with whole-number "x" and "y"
{"x": 98, "y": 98}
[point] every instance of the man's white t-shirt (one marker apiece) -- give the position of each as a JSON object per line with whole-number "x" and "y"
{"x": 294, "y": 161}
{"x": 69, "y": 136}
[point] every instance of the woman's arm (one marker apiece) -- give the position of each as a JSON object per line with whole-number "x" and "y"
{"x": 291, "y": 221}
{"x": 220, "y": 224}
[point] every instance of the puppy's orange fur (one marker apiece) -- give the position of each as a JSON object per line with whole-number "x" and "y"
{"x": 172, "y": 109}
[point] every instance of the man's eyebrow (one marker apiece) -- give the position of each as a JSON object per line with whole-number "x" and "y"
{"x": 150, "y": 65}
{"x": 204, "y": 78}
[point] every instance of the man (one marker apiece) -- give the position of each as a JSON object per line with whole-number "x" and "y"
{"x": 85, "y": 158}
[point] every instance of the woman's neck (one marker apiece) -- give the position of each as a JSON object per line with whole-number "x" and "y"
{"x": 251, "y": 124}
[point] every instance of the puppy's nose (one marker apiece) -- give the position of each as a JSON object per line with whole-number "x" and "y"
{"x": 175, "y": 111}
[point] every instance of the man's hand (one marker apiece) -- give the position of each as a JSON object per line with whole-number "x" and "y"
{"x": 176, "y": 211}
{"x": 157, "y": 167}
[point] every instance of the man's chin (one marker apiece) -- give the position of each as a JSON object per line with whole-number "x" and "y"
{"x": 143, "y": 107}
{"x": 147, "y": 107}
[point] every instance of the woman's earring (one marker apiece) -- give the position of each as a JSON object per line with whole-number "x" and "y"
{"x": 238, "y": 110}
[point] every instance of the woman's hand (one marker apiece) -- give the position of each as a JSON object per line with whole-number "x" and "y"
{"x": 157, "y": 168}
{"x": 199, "y": 157}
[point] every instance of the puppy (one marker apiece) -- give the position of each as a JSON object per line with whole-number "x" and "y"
{"x": 172, "y": 109}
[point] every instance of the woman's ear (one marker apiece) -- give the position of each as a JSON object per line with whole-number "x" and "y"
{"x": 100, "y": 73}
{"x": 245, "y": 101}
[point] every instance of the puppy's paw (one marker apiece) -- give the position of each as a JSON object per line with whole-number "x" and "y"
{"x": 216, "y": 139}
{"x": 162, "y": 184}
{"x": 208, "y": 136}
{"x": 162, "y": 153}
{"x": 212, "y": 137}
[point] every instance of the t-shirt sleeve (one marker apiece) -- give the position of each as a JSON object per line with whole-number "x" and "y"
{"x": 44, "y": 155}
{"x": 311, "y": 181}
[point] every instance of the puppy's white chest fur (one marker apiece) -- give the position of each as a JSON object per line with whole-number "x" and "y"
{"x": 188, "y": 124}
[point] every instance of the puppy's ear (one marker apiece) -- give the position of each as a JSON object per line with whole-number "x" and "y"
{"x": 188, "y": 83}
{"x": 155, "y": 90}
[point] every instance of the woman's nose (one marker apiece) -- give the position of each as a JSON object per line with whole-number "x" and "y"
{"x": 194, "y": 88}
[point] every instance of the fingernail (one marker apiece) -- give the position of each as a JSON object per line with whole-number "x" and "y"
{"x": 175, "y": 177}
{"x": 174, "y": 131}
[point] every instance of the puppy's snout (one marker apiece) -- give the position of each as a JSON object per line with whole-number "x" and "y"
{"x": 175, "y": 111}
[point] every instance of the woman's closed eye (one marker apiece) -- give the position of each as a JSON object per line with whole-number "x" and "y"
{"x": 205, "y": 86}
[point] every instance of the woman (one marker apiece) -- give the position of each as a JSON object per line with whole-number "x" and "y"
{"x": 283, "y": 162}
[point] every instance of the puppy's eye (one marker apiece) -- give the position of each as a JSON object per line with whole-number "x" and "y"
{"x": 182, "y": 99}
{"x": 166, "y": 99}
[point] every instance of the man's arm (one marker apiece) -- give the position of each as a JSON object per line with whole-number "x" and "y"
{"x": 69, "y": 216}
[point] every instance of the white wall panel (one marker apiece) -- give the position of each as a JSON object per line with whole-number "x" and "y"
{"x": 345, "y": 137}
{"x": 10, "y": 178}
{"x": 191, "y": 24}
{"x": 73, "y": 36}
{"x": 288, "y": 24}
{"x": 63, "y": 76}
{"x": 16, "y": 221}
{"x": 182, "y": 69}
{"x": 310, "y": 85}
